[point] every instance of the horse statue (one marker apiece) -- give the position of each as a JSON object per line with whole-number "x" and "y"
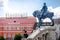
{"x": 44, "y": 13}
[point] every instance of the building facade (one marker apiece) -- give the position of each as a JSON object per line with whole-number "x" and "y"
{"x": 57, "y": 25}
{"x": 13, "y": 25}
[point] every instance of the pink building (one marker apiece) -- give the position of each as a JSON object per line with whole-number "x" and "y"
{"x": 13, "y": 25}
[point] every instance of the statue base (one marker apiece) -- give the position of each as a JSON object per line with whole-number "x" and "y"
{"x": 47, "y": 24}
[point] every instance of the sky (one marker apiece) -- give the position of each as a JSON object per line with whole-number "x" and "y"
{"x": 29, "y": 6}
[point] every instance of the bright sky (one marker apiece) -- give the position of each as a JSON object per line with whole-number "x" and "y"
{"x": 29, "y": 6}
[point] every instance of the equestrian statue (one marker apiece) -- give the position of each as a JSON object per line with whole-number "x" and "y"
{"x": 42, "y": 14}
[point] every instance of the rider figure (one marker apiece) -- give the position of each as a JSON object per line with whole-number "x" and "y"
{"x": 44, "y": 9}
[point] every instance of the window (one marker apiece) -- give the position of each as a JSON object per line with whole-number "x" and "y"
{"x": 9, "y": 35}
{"x": 28, "y": 27}
{"x": 13, "y": 35}
{"x": 22, "y": 27}
{"x": 14, "y": 28}
{"x": 9, "y": 28}
{"x": 5, "y": 28}
{"x": 4, "y": 35}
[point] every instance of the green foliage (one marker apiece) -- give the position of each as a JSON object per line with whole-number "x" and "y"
{"x": 2, "y": 38}
{"x": 18, "y": 37}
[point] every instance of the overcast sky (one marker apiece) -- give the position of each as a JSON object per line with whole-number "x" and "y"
{"x": 29, "y": 6}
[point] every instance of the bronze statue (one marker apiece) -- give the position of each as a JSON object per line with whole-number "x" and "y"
{"x": 44, "y": 13}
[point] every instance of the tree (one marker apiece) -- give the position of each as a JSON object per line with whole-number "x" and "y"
{"x": 2, "y": 38}
{"x": 18, "y": 37}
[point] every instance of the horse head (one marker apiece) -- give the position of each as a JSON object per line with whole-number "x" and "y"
{"x": 36, "y": 13}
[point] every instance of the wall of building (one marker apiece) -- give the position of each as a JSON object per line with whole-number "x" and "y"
{"x": 57, "y": 25}
{"x": 11, "y": 26}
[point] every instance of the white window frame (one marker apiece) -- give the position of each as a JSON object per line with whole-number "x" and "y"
{"x": 13, "y": 28}
{"x": 5, "y": 28}
{"x": 4, "y": 35}
{"x": 22, "y": 28}
{"x": 9, "y": 35}
{"x": 28, "y": 27}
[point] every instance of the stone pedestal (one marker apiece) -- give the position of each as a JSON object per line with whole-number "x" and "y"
{"x": 46, "y": 33}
